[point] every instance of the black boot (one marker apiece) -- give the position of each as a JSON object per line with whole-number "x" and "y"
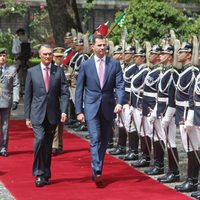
{"x": 131, "y": 155}
{"x": 144, "y": 161}
{"x": 191, "y": 183}
{"x": 120, "y": 149}
{"x": 196, "y": 195}
{"x": 173, "y": 173}
{"x": 133, "y": 147}
{"x": 158, "y": 167}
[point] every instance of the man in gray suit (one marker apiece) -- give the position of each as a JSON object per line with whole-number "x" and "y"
{"x": 45, "y": 104}
{"x": 9, "y": 97}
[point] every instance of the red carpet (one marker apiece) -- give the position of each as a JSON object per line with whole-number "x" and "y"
{"x": 71, "y": 175}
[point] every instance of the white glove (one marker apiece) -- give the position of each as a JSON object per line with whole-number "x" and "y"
{"x": 168, "y": 116}
{"x": 152, "y": 119}
{"x": 152, "y": 116}
{"x": 165, "y": 122}
{"x": 189, "y": 121}
{"x": 188, "y": 126}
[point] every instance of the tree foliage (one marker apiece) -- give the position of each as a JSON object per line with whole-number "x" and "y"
{"x": 12, "y": 7}
{"x": 150, "y": 20}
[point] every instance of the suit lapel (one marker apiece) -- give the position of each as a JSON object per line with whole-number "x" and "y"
{"x": 52, "y": 75}
{"x": 107, "y": 70}
{"x": 40, "y": 76}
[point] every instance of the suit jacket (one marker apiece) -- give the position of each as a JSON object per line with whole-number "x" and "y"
{"x": 9, "y": 86}
{"x": 88, "y": 85}
{"x": 38, "y": 103}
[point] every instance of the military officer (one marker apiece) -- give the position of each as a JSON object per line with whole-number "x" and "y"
{"x": 186, "y": 55}
{"x": 82, "y": 48}
{"x": 57, "y": 146}
{"x": 69, "y": 56}
{"x": 9, "y": 97}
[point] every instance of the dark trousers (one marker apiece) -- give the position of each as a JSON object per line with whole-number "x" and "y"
{"x": 4, "y": 125}
{"x": 100, "y": 130}
{"x": 44, "y": 134}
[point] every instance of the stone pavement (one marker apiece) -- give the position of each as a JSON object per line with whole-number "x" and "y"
{"x": 18, "y": 114}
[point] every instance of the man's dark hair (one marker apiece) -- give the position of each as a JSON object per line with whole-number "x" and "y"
{"x": 20, "y": 31}
{"x": 98, "y": 36}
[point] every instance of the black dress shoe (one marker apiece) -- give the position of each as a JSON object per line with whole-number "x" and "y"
{"x": 190, "y": 185}
{"x": 142, "y": 162}
{"x": 87, "y": 137}
{"x": 4, "y": 153}
{"x": 75, "y": 125}
{"x": 131, "y": 155}
{"x": 39, "y": 181}
{"x": 82, "y": 127}
{"x": 169, "y": 177}
{"x": 196, "y": 194}
{"x": 56, "y": 151}
{"x": 99, "y": 182}
{"x": 70, "y": 122}
{"x": 118, "y": 151}
{"x": 47, "y": 181}
{"x": 155, "y": 170}
{"x": 110, "y": 145}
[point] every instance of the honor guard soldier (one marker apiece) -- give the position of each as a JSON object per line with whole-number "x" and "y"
{"x": 148, "y": 103}
{"x": 169, "y": 77}
{"x": 122, "y": 119}
{"x": 187, "y": 56}
{"x": 118, "y": 53}
{"x": 192, "y": 123}
{"x": 9, "y": 98}
{"x": 57, "y": 146}
{"x": 137, "y": 84}
{"x": 165, "y": 112}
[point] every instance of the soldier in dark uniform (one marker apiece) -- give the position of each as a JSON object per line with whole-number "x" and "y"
{"x": 137, "y": 84}
{"x": 69, "y": 72}
{"x": 186, "y": 55}
{"x": 166, "y": 112}
{"x": 148, "y": 103}
{"x": 192, "y": 122}
{"x": 9, "y": 98}
{"x": 122, "y": 119}
{"x": 159, "y": 137}
{"x": 118, "y": 53}
{"x": 82, "y": 48}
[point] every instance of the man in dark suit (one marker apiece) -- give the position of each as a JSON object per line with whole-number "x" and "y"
{"x": 45, "y": 104}
{"x": 101, "y": 82}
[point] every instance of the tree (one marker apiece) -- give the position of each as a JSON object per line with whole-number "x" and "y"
{"x": 63, "y": 16}
{"x": 150, "y": 20}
